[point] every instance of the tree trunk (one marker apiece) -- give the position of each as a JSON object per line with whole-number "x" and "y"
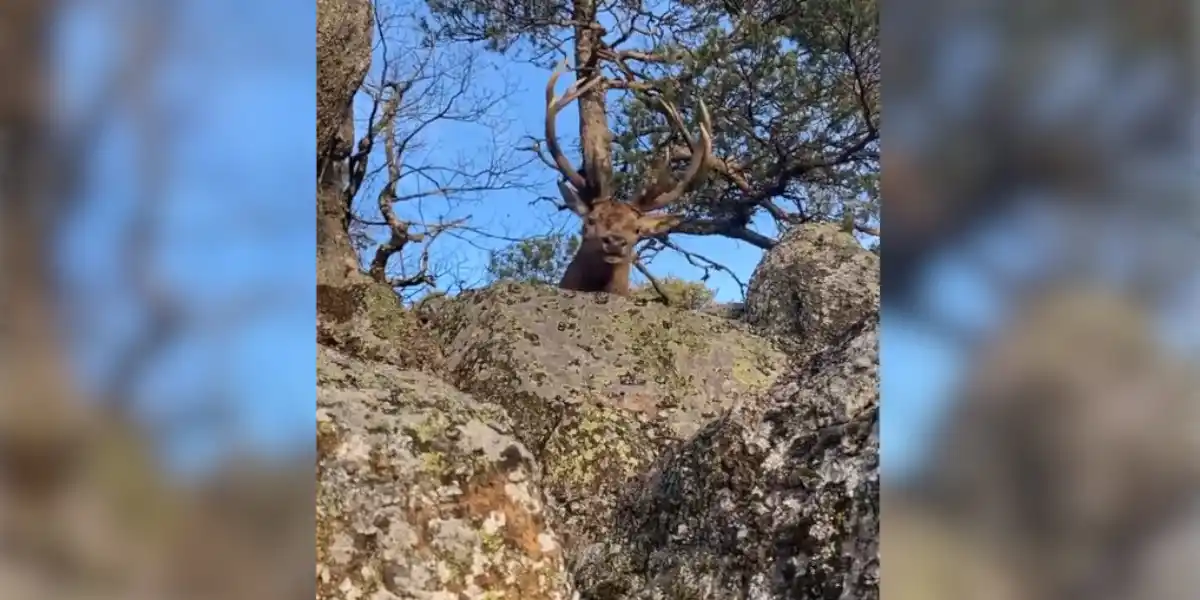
{"x": 344, "y": 36}
{"x": 594, "y": 134}
{"x": 337, "y": 261}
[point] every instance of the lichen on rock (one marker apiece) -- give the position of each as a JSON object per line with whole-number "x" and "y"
{"x": 811, "y": 286}
{"x": 597, "y": 385}
{"x": 368, "y": 321}
{"x": 423, "y": 492}
{"x": 778, "y": 499}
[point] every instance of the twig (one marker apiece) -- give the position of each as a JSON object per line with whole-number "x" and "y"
{"x": 422, "y": 276}
{"x": 703, "y": 262}
{"x": 658, "y": 287}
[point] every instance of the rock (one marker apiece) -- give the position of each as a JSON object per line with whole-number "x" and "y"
{"x": 597, "y": 385}
{"x": 726, "y": 310}
{"x": 367, "y": 320}
{"x": 424, "y": 492}
{"x": 778, "y": 499}
{"x": 811, "y": 286}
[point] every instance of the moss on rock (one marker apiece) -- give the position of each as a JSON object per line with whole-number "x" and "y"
{"x": 421, "y": 489}
{"x": 367, "y": 320}
{"x": 597, "y": 385}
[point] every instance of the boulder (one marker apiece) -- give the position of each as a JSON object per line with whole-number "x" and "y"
{"x": 778, "y": 499}
{"x": 811, "y": 287}
{"x": 424, "y": 492}
{"x": 597, "y": 385}
{"x": 344, "y": 41}
{"x": 344, "y": 35}
{"x": 368, "y": 321}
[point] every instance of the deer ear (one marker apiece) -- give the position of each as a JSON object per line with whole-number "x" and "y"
{"x": 652, "y": 225}
{"x": 571, "y": 197}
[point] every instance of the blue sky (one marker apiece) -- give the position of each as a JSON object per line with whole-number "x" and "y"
{"x": 237, "y": 219}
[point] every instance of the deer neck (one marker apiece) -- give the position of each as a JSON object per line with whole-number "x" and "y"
{"x": 589, "y": 272}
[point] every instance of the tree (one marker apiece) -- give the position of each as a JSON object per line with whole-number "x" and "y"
{"x": 403, "y": 192}
{"x": 534, "y": 260}
{"x": 793, "y": 89}
{"x": 344, "y": 40}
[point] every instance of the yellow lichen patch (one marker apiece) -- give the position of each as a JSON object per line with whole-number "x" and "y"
{"x": 755, "y": 368}
{"x": 598, "y": 446}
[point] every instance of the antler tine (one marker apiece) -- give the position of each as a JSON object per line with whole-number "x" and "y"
{"x": 701, "y": 149}
{"x": 553, "y": 105}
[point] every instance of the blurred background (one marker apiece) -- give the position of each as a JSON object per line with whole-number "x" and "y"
{"x": 1041, "y": 300}
{"x": 158, "y": 308}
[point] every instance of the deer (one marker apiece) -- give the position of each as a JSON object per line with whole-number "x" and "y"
{"x": 611, "y": 228}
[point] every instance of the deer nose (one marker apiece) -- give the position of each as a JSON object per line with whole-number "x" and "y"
{"x": 613, "y": 240}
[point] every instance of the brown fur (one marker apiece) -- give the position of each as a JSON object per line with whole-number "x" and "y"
{"x": 612, "y": 229}
{"x": 610, "y": 232}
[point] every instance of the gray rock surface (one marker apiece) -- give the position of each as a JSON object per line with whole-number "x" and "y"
{"x": 667, "y": 453}
{"x": 812, "y": 286}
{"x": 423, "y": 492}
{"x": 778, "y": 499}
{"x": 598, "y": 386}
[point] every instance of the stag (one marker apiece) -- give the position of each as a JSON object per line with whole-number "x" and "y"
{"x": 611, "y": 228}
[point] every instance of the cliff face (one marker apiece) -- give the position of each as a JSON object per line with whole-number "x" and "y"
{"x": 527, "y": 442}
{"x": 422, "y": 487}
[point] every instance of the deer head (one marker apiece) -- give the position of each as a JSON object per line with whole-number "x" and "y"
{"x": 612, "y": 228}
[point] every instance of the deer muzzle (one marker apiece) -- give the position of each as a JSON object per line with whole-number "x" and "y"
{"x": 615, "y": 248}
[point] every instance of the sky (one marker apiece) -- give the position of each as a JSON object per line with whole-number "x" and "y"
{"x": 237, "y": 221}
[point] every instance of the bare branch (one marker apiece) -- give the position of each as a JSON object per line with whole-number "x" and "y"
{"x": 424, "y": 88}
{"x": 658, "y": 286}
{"x": 707, "y": 265}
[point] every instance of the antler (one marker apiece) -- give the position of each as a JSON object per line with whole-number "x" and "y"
{"x": 647, "y": 200}
{"x": 553, "y": 105}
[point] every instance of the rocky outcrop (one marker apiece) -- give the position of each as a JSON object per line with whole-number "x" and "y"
{"x": 598, "y": 386}
{"x": 778, "y": 499}
{"x": 368, "y": 321}
{"x": 811, "y": 287}
{"x": 666, "y": 453}
{"x": 344, "y": 29}
{"x": 424, "y": 492}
